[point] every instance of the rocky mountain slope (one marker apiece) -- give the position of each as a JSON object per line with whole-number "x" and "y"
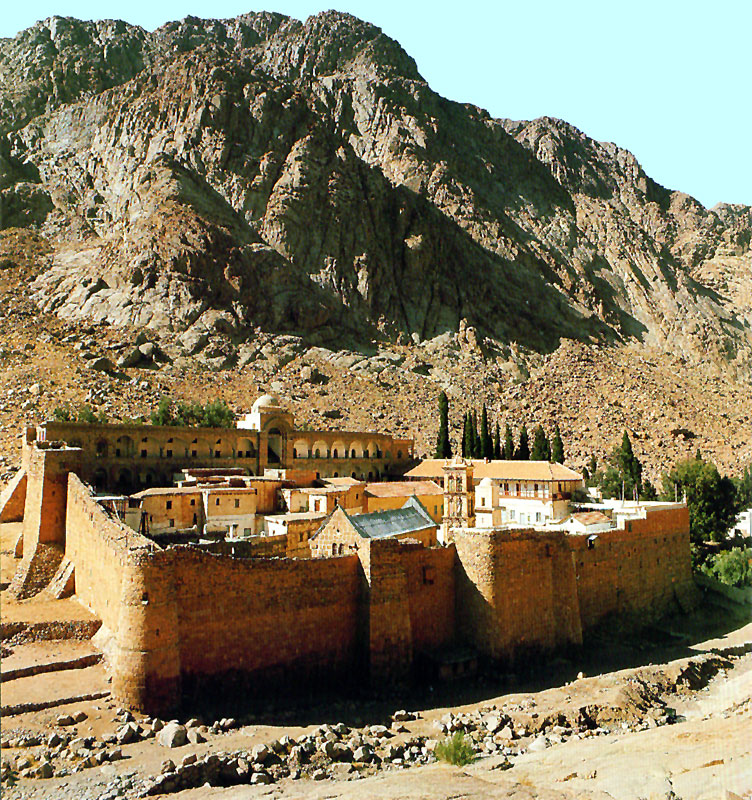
{"x": 226, "y": 177}
{"x": 263, "y": 195}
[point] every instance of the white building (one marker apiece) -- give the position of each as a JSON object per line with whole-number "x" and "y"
{"x": 743, "y": 526}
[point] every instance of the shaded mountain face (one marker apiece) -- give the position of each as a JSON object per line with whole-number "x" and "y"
{"x": 225, "y": 177}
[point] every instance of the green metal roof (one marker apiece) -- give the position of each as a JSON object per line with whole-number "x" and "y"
{"x": 410, "y": 518}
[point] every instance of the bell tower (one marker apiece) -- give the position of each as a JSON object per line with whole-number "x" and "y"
{"x": 459, "y": 496}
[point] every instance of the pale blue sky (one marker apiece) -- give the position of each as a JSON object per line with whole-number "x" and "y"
{"x": 668, "y": 80}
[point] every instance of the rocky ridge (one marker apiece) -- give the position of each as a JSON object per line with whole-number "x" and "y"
{"x": 217, "y": 178}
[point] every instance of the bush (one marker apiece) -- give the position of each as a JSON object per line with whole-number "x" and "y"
{"x": 215, "y": 414}
{"x": 455, "y": 750}
{"x": 82, "y": 414}
{"x": 732, "y": 567}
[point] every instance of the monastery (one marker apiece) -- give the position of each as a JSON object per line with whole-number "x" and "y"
{"x": 269, "y": 560}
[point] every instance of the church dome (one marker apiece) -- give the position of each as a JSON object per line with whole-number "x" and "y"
{"x": 266, "y": 401}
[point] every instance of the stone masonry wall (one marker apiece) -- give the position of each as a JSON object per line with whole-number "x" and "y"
{"x": 13, "y": 498}
{"x": 128, "y": 582}
{"x": 263, "y": 625}
{"x": 638, "y": 570}
{"x": 516, "y": 592}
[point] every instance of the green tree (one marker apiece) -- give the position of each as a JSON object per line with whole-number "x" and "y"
{"x": 541, "y": 449}
{"x": 592, "y": 465}
{"x": 497, "y": 443}
{"x": 486, "y": 442}
{"x": 522, "y": 453}
{"x": 508, "y": 452}
{"x": 711, "y": 498}
{"x": 467, "y": 437}
{"x": 649, "y": 492}
{"x": 62, "y": 414}
{"x": 557, "y": 447}
{"x": 623, "y": 473}
{"x": 215, "y": 414}
{"x": 744, "y": 489}
{"x": 163, "y": 414}
{"x": 732, "y": 567}
{"x": 443, "y": 445}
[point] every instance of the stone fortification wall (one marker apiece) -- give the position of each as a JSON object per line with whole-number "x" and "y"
{"x": 128, "y": 582}
{"x": 410, "y": 599}
{"x": 182, "y": 619}
{"x": 47, "y": 466}
{"x": 13, "y": 498}
{"x": 636, "y": 570}
{"x": 523, "y": 590}
{"x": 516, "y": 592}
{"x": 262, "y": 625}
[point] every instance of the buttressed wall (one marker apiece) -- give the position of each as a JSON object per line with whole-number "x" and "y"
{"x": 524, "y": 590}
{"x": 181, "y": 619}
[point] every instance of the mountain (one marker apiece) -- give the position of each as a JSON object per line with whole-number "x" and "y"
{"x": 226, "y": 177}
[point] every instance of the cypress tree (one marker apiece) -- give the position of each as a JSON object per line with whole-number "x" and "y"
{"x": 474, "y": 432}
{"x": 497, "y": 443}
{"x": 557, "y": 447}
{"x": 443, "y": 445}
{"x": 486, "y": 442}
{"x": 523, "y": 448}
{"x": 541, "y": 448}
{"x": 465, "y": 436}
{"x": 508, "y": 453}
{"x": 469, "y": 438}
{"x": 629, "y": 466}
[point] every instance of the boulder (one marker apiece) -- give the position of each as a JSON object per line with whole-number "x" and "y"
{"x": 128, "y": 733}
{"x": 172, "y": 735}
{"x": 102, "y": 364}
{"x": 260, "y": 753}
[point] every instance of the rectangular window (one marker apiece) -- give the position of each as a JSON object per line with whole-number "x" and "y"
{"x": 169, "y": 504}
{"x": 537, "y": 516}
{"x": 193, "y": 501}
{"x": 237, "y": 503}
{"x": 511, "y": 514}
{"x": 216, "y": 502}
{"x": 169, "y": 454}
{"x": 143, "y": 454}
{"x": 194, "y": 453}
{"x": 428, "y": 576}
{"x": 172, "y": 523}
{"x": 217, "y": 454}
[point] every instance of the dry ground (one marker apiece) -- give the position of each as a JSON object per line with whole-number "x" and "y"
{"x": 706, "y": 753}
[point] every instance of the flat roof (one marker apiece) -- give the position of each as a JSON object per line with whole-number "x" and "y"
{"x": 294, "y": 516}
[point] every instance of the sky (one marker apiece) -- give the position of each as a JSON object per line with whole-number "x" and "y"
{"x": 669, "y": 81}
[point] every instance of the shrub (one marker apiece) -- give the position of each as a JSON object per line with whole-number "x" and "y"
{"x": 215, "y": 414}
{"x": 456, "y": 750}
{"x": 82, "y": 414}
{"x": 732, "y": 567}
